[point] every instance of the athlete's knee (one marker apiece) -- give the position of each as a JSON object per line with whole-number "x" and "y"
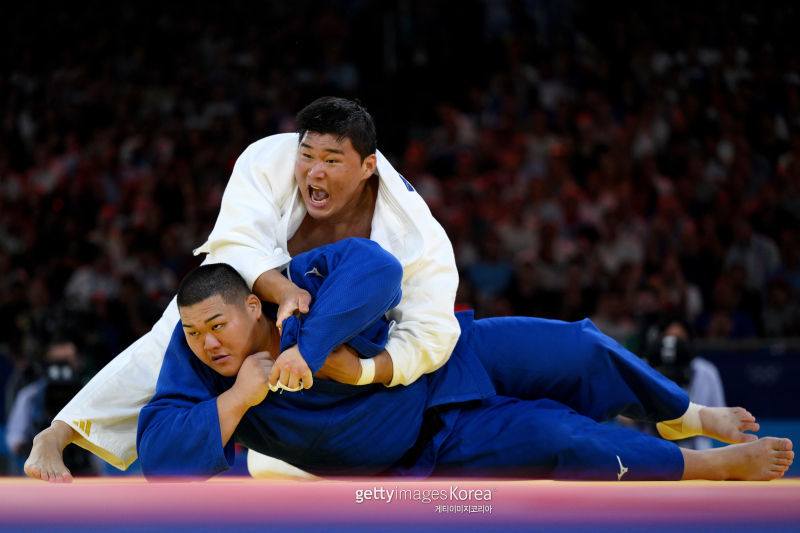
{"x": 563, "y": 430}
{"x": 589, "y": 347}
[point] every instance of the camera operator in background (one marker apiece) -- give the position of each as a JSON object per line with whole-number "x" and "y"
{"x": 673, "y": 356}
{"x": 36, "y": 404}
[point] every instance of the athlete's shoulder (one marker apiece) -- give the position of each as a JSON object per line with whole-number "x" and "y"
{"x": 274, "y": 145}
{"x": 270, "y": 160}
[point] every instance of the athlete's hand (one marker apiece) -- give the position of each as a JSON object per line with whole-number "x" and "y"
{"x": 293, "y": 301}
{"x": 342, "y": 365}
{"x": 290, "y": 368}
{"x": 252, "y": 382}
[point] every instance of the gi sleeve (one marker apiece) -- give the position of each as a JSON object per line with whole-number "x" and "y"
{"x": 425, "y": 330}
{"x": 353, "y": 283}
{"x": 179, "y": 433}
{"x": 105, "y": 412}
{"x": 244, "y": 235}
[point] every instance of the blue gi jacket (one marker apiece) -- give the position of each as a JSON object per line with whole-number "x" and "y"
{"x": 331, "y": 429}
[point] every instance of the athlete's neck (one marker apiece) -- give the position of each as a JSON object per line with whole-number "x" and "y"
{"x": 267, "y": 337}
{"x": 356, "y": 221}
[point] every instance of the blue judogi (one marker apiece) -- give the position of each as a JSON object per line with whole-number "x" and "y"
{"x": 519, "y": 397}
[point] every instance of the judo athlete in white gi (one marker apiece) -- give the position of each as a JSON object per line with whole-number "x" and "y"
{"x": 347, "y": 189}
{"x": 289, "y": 194}
{"x": 212, "y": 391}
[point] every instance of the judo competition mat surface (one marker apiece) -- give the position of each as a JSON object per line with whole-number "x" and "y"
{"x": 245, "y": 505}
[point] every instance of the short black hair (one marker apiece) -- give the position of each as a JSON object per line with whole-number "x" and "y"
{"x": 207, "y": 281}
{"x": 347, "y": 119}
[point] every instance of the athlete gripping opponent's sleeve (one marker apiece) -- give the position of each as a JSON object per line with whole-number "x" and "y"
{"x": 353, "y": 284}
{"x": 550, "y": 429}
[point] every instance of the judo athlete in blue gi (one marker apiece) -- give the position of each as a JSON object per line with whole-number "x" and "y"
{"x": 497, "y": 408}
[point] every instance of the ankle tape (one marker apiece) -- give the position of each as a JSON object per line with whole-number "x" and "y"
{"x": 688, "y": 425}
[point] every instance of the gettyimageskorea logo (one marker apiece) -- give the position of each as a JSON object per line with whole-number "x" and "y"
{"x": 453, "y": 494}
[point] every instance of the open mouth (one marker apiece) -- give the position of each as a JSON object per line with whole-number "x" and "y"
{"x": 220, "y": 358}
{"x": 318, "y": 196}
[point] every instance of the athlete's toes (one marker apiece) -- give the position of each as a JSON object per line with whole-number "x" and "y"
{"x": 746, "y": 437}
{"x": 749, "y": 426}
{"x": 34, "y": 471}
{"x": 67, "y": 477}
{"x": 745, "y": 416}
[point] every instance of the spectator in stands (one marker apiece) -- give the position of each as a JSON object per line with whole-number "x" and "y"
{"x": 524, "y": 292}
{"x": 612, "y": 316}
{"x": 550, "y": 269}
{"x": 95, "y": 280}
{"x": 758, "y": 254}
{"x": 646, "y": 315}
{"x": 616, "y": 246}
{"x": 724, "y": 321}
{"x": 790, "y": 263}
{"x": 770, "y": 218}
{"x": 492, "y": 274}
{"x": 780, "y": 315}
{"x": 676, "y": 294}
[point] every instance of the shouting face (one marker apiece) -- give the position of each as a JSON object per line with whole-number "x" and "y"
{"x": 331, "y": 175}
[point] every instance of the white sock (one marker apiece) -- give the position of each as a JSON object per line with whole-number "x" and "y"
{"x": 688, "y": 425}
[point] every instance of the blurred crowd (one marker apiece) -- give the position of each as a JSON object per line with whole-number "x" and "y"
{"x": 585, "y": 162}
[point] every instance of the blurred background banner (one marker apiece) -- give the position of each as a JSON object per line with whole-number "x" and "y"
{"x": 637, "y": 166}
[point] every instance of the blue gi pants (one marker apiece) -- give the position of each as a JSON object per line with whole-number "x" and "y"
{"x": 555, "y": 381}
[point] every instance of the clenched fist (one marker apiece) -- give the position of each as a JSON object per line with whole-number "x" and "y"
{"x": 252, "y": 382}
{"x": 290, "y": 368}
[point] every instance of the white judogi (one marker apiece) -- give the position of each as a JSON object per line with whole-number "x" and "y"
{"x": 261, "y": 210}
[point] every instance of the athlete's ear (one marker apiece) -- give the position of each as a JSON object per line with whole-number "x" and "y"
{"x": 253, "y": 305}
{"x": 368, "y": 166}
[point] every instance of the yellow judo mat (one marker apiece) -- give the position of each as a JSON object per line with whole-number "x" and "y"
{"x": 384, "y": 504}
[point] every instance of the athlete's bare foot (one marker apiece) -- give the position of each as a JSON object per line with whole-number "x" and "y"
{"x": 728, "y": 424}
{"x": 763, "y": 460}
{"x": 46, "y": 461}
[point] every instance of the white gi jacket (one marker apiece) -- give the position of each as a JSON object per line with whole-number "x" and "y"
{"x": 261, "y": 210}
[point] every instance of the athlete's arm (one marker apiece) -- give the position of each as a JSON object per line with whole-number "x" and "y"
{"x": 244, "y": 235}
{"x": 426, "y": 329}
{"x": 355, "y": 282}
{"x": 344, "y": 365}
